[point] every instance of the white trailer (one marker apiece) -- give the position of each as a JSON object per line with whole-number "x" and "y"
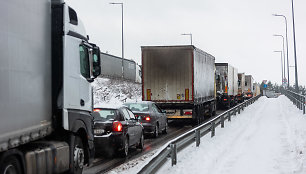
{"x": 226, "y": 84}
{"x": 180, "y": 79}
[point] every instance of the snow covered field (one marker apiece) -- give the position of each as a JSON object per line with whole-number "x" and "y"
{"x": 114, "y": 92}
{"x": 269, "y": 137}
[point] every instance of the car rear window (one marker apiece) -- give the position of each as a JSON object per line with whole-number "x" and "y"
{"x": 105, "y": 114}
{"x": 138, "y": 107}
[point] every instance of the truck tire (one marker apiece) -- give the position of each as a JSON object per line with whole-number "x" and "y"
{"x": 11, "y": 165}
{"x": 77, "y": 148}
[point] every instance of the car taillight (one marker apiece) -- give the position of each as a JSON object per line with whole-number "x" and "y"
{"x": 146, "y": 117}
{"x": 187, "y": 113}
{"x": 117, "y": 126}
{"x": 97, "y": 110}
{"x": 225, "y": 99}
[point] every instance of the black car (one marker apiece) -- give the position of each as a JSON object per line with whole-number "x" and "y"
{"x": 153, "y": 119}
{"x": 115, "y": 130}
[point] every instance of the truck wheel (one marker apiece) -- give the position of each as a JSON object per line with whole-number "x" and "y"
{"x": 11, "y": 166}
{"x": 125, "y": 151}
{"x": 78, "y": 156}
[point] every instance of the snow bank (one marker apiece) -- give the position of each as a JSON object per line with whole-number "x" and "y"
{"x": 114, "y": 92}
{"x": 269, "y": 137}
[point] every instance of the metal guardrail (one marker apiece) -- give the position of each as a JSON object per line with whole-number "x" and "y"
{"x": 179, "y": 143}
{"x": 297, "y": 99}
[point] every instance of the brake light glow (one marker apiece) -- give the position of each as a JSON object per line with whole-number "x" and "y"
{"x": 117, "y": 126}
{"x": 225, "y": 99}
{"x": 147, "y": 118}
{"x": 187, "y": 113}
{"x": 97, "y": 110}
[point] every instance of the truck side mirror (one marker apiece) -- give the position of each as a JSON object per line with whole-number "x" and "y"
{"x": 96, "y": 62}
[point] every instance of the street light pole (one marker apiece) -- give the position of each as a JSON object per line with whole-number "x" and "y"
{"x": 122, "y": 45}
{"x": 279, "y": 35}
{"x": 281, "y": 64}
{"x": 296, "y": 74}
{"x": 189, "y": 34}
{"x": 286, "y": 46}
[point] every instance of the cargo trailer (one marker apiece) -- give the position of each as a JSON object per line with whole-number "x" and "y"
{"x": 248, "y": 86}
{"x": 241, "y": 83}
{"x": 226, "y": 85}
{"x": 180, "y": 79}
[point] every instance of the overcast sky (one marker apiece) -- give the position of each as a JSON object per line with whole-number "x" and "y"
{"x": 239, "y": 32}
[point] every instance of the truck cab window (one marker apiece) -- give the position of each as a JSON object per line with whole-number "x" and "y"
{"x": 84, "y": 62}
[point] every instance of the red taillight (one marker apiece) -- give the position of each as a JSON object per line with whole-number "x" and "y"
{"x": 97, "y": 110}
{"x": 187, "y": 113}
{"x": 117, "y": 126}
{"x": 146, "y": 117}
{"x": 225, "y": 99}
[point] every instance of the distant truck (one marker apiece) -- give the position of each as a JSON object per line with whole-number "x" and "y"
{"x": 226, "y": 85}
{"x": 47, "y": 65}
{"x": 180, "y": 79}
{"x": 256, "y": 89}
{"x": 248, "y": 86}
{"x": 241, "y": 84}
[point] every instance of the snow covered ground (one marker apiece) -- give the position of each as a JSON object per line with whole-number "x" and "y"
{"x": 269, "y": 137}
{"x": 114, "y": 92}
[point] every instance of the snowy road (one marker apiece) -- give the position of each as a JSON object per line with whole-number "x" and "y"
{"x": 269, "y": 137}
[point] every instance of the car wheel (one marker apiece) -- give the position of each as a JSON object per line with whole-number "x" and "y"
{"x": 11, "y": 165}
{"x": 166, "y": 128}
{"x": 156, "y": 131}
{"x": 141, "y": 142}
{"x": 78, "y": 156}
{"x": 125, "y": 150}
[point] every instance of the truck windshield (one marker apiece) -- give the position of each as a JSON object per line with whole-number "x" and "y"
{"x": 137, "y": 107}
{"x": 105, "y": 114}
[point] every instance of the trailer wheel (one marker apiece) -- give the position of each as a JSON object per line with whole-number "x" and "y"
{"x": 78, "y": 156}
{"x": 11, "y": 165}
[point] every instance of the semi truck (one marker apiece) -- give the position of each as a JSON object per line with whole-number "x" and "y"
{"x": 241, "y": 83}
{"x": 46, "y": 65}
{"x": 248, "y": 86}
{"x": 226, "y": 85}
{"x": 180, "y": 79}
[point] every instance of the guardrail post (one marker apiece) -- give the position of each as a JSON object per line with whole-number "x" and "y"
{"x": 173, "y": 154}
{"x": 229, "y": 115}
{"x": 197, "y": 137}
{"x": 212, "y": 129}
{"x": 235, "y": 110}
{"x": 222, "y": 121}
{"x": 238, "y": 109}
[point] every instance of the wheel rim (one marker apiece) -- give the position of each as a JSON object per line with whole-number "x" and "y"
{"x": 156, "y": 130}
{"x": 10, "y": 169}
{"x": 142, "y": 141}
{"x": 78, "y": 157}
